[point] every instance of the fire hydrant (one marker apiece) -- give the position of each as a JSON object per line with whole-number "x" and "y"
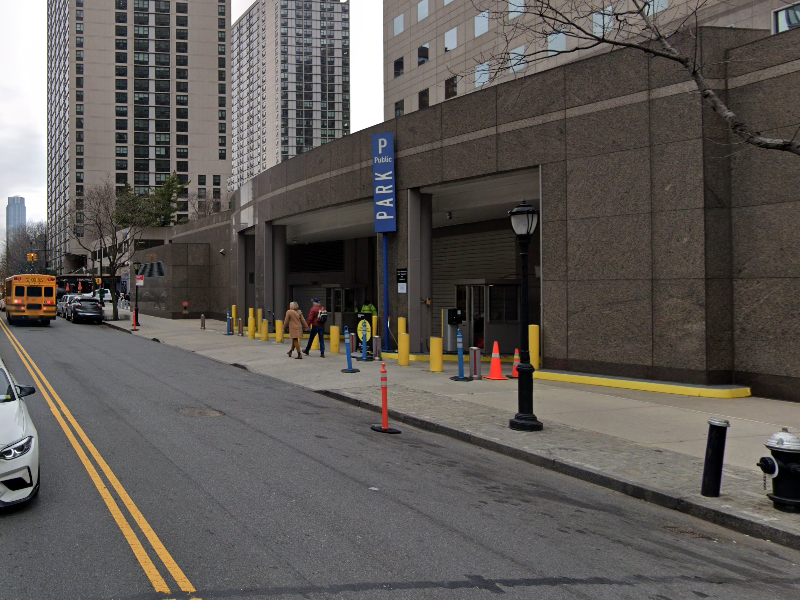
{"x": 784, "y": 469}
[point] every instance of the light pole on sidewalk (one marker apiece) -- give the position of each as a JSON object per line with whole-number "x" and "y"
{"x": 136, "y": 266}
{"x": 524, "y": 219}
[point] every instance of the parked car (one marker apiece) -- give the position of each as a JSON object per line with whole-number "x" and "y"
{"x": 82, "y": 308}
{"x": 61, "y": 305}
{"x": 19, "y": 443}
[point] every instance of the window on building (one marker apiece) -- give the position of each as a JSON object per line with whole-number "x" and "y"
{"x": 516, "y": 8}
{"x": 603, "y": 21}
{"x": 398, "y": 67}
{"x": 786, "y": 19}
{"x": 451, "y": 39}
{"x": 161, "y": 45}
{"x": 121, "y": 111}
{"x": 481, "y": 23}
{"x": 162, "y": 73}
{"x": 121, "y": 71}
{"x": 181, "y": 73}
{"x": 201, "y": 180}
{"x": 182, "y": 126}
{"x": 424, "y": 98}
{"x": 79, "y": 109}
{"x": 79, "y": 82}
{"x": 398, "y": 25}
{"x": 181, "y": 153}
{"x": 121, "y": 57}
{"x": 122, "y": 151}
{"x": 79, "y": 43}
{"x": 556, "y": 43}
{"x": 141, "y": 125}
{"x": 118, "y": 4}
{"x": 221, "y": 9}
{"x": 181, "y": 7}
{"x": 79, "y": 95}
{"x": 182, "y": 60}
{"x": 141, "y": 112}
{"x": 121, "y": 124}
{"x": 399, "y": 108}
{"x": 446, "y": 2}
{"x": 422, "y": 10}
{"x": 423, "y": 54}
{"x": 182, "y": 86}
{"x": 163, "y": 20}
{"x": 79, "y": 150}
{"x": 451, "y": 88}
{"x": 217, "y": 180}
{"x": 121, "y": 138}
{"x": 222, "y": 115}
{"x": 79, "y": 27}
{"x": 121, "y": 165}
{"x": 141, "y": 32}
{"x": 217, "y": 193}
{"x": 78, "y": 163}
{"x": 481, "y": 74}
{"x": 656, "y": 6}
{"x": 223, "y": 154}
{"x": 181, "y": 113}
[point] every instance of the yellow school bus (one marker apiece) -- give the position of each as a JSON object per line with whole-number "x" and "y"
{"x": 30, "y": 298}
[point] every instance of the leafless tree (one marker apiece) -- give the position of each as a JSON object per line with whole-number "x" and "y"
{"x": 110, "y": 225}
{"x": 200, "y": 208}
{"x": 21, "y": 242}
{"x": 654, "y": 27}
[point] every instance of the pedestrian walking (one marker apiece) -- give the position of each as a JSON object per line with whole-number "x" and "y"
{"x": 295, "y": 324}
{"x": 317, "y": 317}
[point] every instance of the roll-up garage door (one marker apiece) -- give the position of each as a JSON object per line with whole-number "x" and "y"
{"x": 474, "y": 255}
{"x": 302, "y": 294}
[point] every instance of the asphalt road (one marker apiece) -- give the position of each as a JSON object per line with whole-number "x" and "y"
{"x": 289, "y": 494}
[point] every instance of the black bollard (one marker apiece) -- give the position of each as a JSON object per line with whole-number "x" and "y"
{"x": 715, "y": 455}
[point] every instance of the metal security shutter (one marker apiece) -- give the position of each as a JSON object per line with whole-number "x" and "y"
{"x": 302, "y": 294}
{"x": 482, "y": 255}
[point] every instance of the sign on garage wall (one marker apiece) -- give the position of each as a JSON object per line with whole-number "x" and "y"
{"x": 383, "y": 182}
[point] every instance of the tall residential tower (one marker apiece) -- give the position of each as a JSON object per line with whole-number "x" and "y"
{"x": 305, "y": 46}
{"x": 137, "y": 90}
{"x": 15, "y": 213}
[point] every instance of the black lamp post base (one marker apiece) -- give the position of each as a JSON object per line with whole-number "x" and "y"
{"x": 522, "y": 422}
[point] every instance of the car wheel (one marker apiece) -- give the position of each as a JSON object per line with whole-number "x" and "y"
{"x": 46, "y": 322}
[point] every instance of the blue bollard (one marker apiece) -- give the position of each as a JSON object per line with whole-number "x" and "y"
{"x": 229, "y": 324}
{"x": 349, "y": 368}
{"x": 460, "y": 377}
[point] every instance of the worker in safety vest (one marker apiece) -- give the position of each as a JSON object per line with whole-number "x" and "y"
{"x": 369, "y": 308}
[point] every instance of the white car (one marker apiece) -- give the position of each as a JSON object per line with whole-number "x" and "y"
{"x": 19, "y": 443}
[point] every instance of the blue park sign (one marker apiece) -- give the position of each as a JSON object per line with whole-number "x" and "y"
{"x": 383, "y": 182}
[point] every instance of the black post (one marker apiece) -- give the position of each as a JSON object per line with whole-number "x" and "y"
{"x": 715, "y": 453}
{"x": 136, "y": 268}
{"x": 524, "y": 420}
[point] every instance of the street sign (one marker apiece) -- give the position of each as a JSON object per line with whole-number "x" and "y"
{"x": 139, "y": 280}
{"x": 402, "y": 281}
{"x": 360, "y": 330}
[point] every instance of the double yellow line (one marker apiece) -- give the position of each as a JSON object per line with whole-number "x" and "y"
{"x": 63, "y": 416}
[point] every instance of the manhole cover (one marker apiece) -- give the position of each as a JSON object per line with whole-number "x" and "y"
{"x": 200, "y": 412}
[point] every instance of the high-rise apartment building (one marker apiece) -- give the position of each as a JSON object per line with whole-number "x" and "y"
{"x": 137, "y": 90}
{"x": 15, "y": 213}
{"x": 302, "y": 47}
{"x": 435, "y": 50}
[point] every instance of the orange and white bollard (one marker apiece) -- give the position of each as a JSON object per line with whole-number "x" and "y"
{"x": 202, "y": 321}
{"x": 514, "y": 374}
{"x": 384, "y": 427}
{"x": 133, "y": 312}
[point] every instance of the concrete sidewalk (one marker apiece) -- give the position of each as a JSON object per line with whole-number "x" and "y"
{"x": 644, "y": 444}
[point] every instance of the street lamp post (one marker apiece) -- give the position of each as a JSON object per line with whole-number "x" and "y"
{"x": 136, "y": 266}
{"x": 524, "y": 219}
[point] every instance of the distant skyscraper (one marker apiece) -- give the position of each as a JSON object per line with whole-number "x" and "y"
{"x": 306, "y": 47}
{"x": 15, "y": 213}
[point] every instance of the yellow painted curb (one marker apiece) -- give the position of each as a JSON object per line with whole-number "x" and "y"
{"x": 646, "y": 386}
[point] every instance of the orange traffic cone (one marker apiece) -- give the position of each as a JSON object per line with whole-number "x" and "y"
{"x": 514, "y": 374}
{"x": 496, "y": 371}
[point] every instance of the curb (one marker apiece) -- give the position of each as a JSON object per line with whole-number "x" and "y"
{"x": 655, "y": 496}
{"x": 117, "y": 327}
{"x": 689, "y": 506}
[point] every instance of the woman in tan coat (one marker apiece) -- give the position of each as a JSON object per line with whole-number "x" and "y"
{"x": 296, "y": 324}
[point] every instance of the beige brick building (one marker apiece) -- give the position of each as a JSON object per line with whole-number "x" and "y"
{"x": 437, "y": 49}
{"x": 137, "y": 90}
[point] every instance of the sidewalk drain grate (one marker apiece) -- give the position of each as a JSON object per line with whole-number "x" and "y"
{"x": 200, "y": 412}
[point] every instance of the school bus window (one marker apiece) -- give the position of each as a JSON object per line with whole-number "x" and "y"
{"x": 48, "y": 292}
{"x": 34, "y": 291}
{"x": 19, "y": 290}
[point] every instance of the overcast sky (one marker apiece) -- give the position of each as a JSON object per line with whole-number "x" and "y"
{"x": 23, "y": 92}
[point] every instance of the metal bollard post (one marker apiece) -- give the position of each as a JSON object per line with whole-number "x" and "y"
{"x": 475, "y": 363}
{"x": 347, "y": 342}
{"x": 202, "y": 321}
{"x": 241, "y": 330}
{"x": 715, "y": 455}
{"x": 460, "y": 341}
{"x": 376, "y": 347}
{"x": 352, "y": 340}
{"x": 364, "y": 356}
{"x": 228, "y": 324}
{"x": 384, "y": 426}
{"x": 437, "y": 357}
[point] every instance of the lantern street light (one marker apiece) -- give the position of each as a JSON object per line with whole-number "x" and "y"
{"x": 524, "y": 219}
{"x": 136, "y": 266}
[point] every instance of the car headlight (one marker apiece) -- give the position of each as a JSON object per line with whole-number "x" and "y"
{"x": 17, "y": 449}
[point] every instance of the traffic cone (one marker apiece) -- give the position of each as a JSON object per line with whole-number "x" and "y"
{"x": 496, "y": 372}
{"x": 514, "y": 374}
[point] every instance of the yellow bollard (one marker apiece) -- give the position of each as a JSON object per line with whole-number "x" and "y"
{"x": 251, "y": 326}
{"x": 437, "y": 355}
{"x": 403, "y": 349}
{"x": 374, "y": 325}
{"x": 264, "y": 330}
{"x": 233, "y": 315}
{"x": 251, "y": 313}
{"x": 315, "y": 345}
{"x": 259, "y": 315}
{"x": 334, "y": 339}
{"x": 401, "y": 325}
{"x": 533, "y": 344}
{"x": 278, "y": 332}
